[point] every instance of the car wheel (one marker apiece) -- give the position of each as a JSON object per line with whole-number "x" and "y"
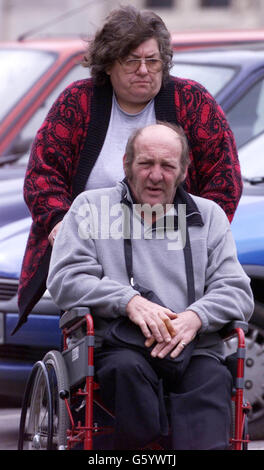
{"x": 254, "y": 380}
{"x": 254, "y": 372}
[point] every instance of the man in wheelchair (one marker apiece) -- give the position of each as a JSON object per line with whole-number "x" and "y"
{"x": 158, "y": 269}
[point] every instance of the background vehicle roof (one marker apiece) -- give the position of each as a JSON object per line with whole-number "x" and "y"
{"x": 198, "y": 39}
{"x": 50, "y": 43}
{"x": 231, "y": 55}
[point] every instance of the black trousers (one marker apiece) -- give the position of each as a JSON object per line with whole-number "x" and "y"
{"x": 200, "y": 403}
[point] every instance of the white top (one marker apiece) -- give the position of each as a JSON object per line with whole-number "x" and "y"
{"x": 108, "y": 169}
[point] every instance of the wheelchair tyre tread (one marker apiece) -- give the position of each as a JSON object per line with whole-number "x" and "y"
{"x": 233, "y": 419}
{"x": 32, "y": 435}
{"x": 54, "y": 360}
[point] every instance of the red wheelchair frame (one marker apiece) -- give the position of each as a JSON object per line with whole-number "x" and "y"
{"x": 79, "y": 432}
{"x": 79, "y": 360}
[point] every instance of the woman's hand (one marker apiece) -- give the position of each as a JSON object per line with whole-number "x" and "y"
{"x": 53, "y": 233}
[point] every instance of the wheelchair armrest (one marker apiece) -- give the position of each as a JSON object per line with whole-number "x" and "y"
{"x": 71, "y": 316}
{"x": 229, "y": 330}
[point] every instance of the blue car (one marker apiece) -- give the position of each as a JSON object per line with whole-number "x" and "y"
{"x": 41, "y": 333}
{"x": 236, "y": 78}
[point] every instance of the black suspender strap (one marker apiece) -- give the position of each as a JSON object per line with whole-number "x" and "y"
{"x": 128, "y": 259}
{"x": 187, "y": 251}
{"x": 188, "y": 265}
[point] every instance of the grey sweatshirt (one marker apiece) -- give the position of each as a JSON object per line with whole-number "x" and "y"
{"x": 87, "y": 265}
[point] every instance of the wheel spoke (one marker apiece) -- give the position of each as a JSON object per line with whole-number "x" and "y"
{"x": 45, "y": 417}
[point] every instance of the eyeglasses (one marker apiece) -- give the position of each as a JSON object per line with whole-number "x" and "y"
{"x": 132, "y": 65}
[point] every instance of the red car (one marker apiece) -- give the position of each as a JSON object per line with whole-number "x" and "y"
{"x": 33, "y": 72}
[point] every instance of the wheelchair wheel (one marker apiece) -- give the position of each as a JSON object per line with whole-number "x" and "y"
{"x": 44, "y": 417}
{"x": 245, "y": 434}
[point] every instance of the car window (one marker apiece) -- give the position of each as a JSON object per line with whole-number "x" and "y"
{"x": 252, "y": 159}
{"x": 27, "y": 134}
{"x": 212, "y": 77}
{"x": 247, "y": 116}
{"x": 19, "y": 73}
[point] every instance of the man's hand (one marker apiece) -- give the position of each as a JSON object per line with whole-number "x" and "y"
{"x": 53, "y": 233}
{"x": 154, "y": 320}
{"x": 186, "y": 326}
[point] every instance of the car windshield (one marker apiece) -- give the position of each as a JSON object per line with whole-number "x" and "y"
{"x": 213, "y": 77}
{"x": 25, "y": 138}
{"x": 20, "y": 69}
{"x": 252, "y": 166}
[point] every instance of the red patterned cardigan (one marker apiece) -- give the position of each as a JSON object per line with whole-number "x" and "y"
{"x": 70, "y": 139}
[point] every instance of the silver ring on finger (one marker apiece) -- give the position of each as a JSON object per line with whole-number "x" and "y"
{"x": 183, "y": 344}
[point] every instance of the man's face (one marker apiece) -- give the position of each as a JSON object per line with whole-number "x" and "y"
{"x": 135, "y": 90}
{"x": 156, "y": 169}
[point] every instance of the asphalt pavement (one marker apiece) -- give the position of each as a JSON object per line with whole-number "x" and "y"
{"x": 9, "y": 425}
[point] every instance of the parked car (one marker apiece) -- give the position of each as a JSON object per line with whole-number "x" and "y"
{"x": 32, "y": 74}
{"x": 34, "y": 71}
{"x": 248, "y": 231}
{"x": 241, "y": 73}
{"x": 197, "y": 39}
{"x": 235, "y": 77}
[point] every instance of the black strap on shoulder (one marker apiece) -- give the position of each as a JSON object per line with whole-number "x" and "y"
{"x": 187, "y": 251}
{"x": 128, "y": 258}
{"x": 188, "y": 265}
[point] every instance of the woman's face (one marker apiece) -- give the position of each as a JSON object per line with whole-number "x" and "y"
{"x": 134, "y": 90}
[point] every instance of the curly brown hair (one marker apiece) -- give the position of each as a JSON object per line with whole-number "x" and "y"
{"x": 123, "y": 31}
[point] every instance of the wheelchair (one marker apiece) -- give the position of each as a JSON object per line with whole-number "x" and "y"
{"x": 62, "y": 384}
